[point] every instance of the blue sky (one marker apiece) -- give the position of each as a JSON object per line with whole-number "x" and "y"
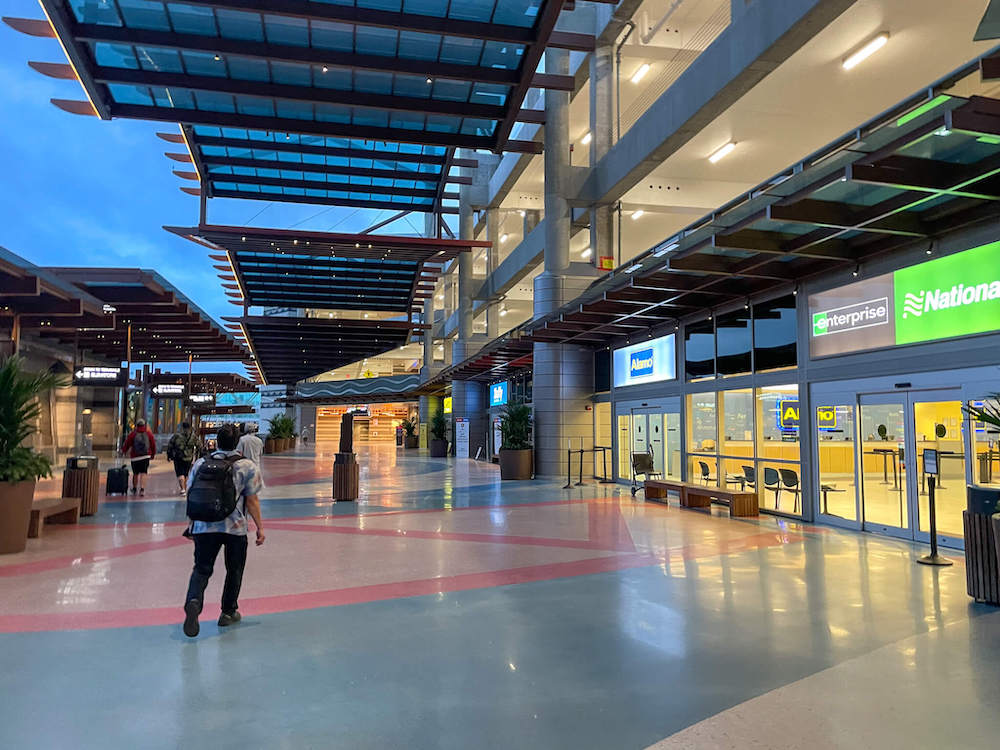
{"x": 79, "y": 191}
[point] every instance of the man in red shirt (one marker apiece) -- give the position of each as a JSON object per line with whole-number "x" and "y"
{"x": 140, "y": 445}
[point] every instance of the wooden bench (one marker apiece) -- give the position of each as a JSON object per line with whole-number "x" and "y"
{"x": 53, "y": 510}
{"x": 741, "y": 504}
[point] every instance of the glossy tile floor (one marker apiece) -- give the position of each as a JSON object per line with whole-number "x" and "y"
{"x": 448, "y": 610}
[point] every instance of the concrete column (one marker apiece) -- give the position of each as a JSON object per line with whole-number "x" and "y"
{"x": 602, "y": 95}
{"x": 468, "y": 400}
{"x": 430, "y": 230}
{"x": 467, "y": 229}
{"x": 492, "y": 261}
{"x": 563, "y": 375}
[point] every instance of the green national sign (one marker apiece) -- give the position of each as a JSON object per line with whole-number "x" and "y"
{"x": 953, "y": 296}
{"x": 957, "y": 295}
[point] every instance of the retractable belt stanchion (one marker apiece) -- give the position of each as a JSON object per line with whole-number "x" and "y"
{"x": 931, "y": 469}
{"x": 580, "y": 483}
{"x": 604, "y": 466}
{"x": 569, "y": 465}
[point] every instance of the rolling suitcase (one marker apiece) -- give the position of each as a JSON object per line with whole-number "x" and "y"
{"x": 117, "y": 482}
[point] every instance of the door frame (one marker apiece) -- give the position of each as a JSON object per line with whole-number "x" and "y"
{"x": 665, "y": 405}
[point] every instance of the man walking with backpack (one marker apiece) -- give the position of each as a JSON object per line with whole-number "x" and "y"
{"x": 182, "y": 450}
{"x": 222, "y": 492}
{"x": 140, "y": 446}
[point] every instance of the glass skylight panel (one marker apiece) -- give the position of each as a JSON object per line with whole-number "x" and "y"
{"x": 144, "y": 14}
{"x": 474, "y": 10}
{"x": 415, "y": 45}
{"x": 103, "y": 14}
{"x": 286, "y": 30}
{"x": 332, "y": 35}
{"x": 192, "y": 19}
{"x": 458, "y": 50}
{"x": 238, "y": 24}
{"x": 114, "y": 55}
{"x": 371, "y": 40}
{"x": 517, "y": 12}
{"x": 124, "y": 94}
{"x": 200, "y": 64}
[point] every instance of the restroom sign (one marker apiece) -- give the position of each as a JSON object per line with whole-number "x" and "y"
{"x": 788, "y": 414}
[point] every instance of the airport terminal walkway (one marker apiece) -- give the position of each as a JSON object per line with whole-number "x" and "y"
{"x": 448, "y": 610}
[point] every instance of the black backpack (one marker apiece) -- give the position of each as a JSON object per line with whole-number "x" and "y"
{"x": 212, "y": 495}
{"x": 140, "y": 443}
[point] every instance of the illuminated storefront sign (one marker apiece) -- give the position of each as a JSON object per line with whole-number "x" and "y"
{"x": 826, "y": 417}
{"x": 648, "y": 362}
{"x": 788, "y": 414}
{"x": 446, "y": 404}
{"x": 498, "y": 394}
{"x": 958, "y": 295}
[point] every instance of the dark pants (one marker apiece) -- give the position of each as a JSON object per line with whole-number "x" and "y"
{"x": 206, "y": 549}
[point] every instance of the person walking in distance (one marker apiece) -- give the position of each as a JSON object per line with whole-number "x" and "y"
{"x": 182, "y": 450}
{"x": 251, "y": 446}
{"x": 140, "y": 445}
{"x": 222, "y": 493}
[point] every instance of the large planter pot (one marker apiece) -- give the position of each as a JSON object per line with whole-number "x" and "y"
{"x": 269, "y": 445}
{"x": 515, "y": 464}
{"x": 15, "y": 513}
{"x": 439, "y": 448}
{"x": 411, "y": 441}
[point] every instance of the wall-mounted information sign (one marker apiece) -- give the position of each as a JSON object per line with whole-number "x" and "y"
{"x": 498, "y": 393}
{"x": 168, "y": 390}
{"x": 958, "y": 295}
{"x": 101, "y": 376}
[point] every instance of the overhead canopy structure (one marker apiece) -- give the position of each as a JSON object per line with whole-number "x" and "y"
{"x": 928, "y": 167}
{"x": 322, "y": 270}
{"x": 165, "y": 325}
{"x": 215, "y": 382}
{"x": 35, "y": 299}
{"x": 501, "y": 358}
{"x": 291, "y": 167}
{"x": 353, "y": 103}
{"x": 291, "y": 349}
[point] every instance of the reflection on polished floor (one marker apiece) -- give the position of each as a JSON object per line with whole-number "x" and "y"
{"x": 448, "y": 610}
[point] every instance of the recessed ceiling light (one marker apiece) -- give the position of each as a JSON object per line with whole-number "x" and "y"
{"x": 723, "y": 152}
{"x": 638, "y": 214}
{"x": 586, "y": 139}
{"x": 504, "y": 237}
{"x": 856, "y": 58}
{"x": 587, "y": 253}
{"x": 640, "y": 73}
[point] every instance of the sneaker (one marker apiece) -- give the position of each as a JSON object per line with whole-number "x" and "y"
{"x": 191, "y": 611}
{"x": 229, "y": 618}
{"x": 134, "y": 490}
{"x": 183, "y": 492}
{"x": 142, "y": 492}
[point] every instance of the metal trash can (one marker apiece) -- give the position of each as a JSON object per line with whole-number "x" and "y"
{"x": 981, "y": 521}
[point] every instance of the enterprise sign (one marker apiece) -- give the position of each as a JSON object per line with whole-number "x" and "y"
{"x": 958, "y": 295}
{"x": 852, "y": 317}
{"x": 649, "y": 362}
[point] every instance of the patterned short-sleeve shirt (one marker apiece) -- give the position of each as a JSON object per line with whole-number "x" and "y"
{"x": 247, "y": 478}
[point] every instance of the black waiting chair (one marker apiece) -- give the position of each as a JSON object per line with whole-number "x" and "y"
{"x": 750, "y": 477}
{"x": 642, "y": 463}
{"x": 790, "y": 481}
{"x": 772, "y": 482}
{"x": 706, "y": 473}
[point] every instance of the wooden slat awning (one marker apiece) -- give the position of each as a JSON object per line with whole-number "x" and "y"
{"x": 216, "y": 382}
{"x": 325, "y": 270}
{"x": 288, "y": 350}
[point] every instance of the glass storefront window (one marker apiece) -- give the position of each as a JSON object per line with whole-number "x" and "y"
{"x": 836, "y": 447}
{"x": 736, "y": 438}
{"x": 624, "y": 447}
{"x": 777, "y": 471}
{"x": 701, "y": 428}
{"x": 734, "y": 343}
{"x": 775, "y": 334}
{"x": 703, "y": 470}
{"x": 699, "y": 350}
{"x": 986, "y": 449}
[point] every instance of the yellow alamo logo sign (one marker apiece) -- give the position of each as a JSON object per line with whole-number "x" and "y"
{"x": 789, "y": 415}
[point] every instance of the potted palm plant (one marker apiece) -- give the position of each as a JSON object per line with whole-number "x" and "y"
{"x": 410, "y": 439}
{"x": 515, "y": 450}
{"x": 20, "y": 465}
{"x": 439, "y": 435}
